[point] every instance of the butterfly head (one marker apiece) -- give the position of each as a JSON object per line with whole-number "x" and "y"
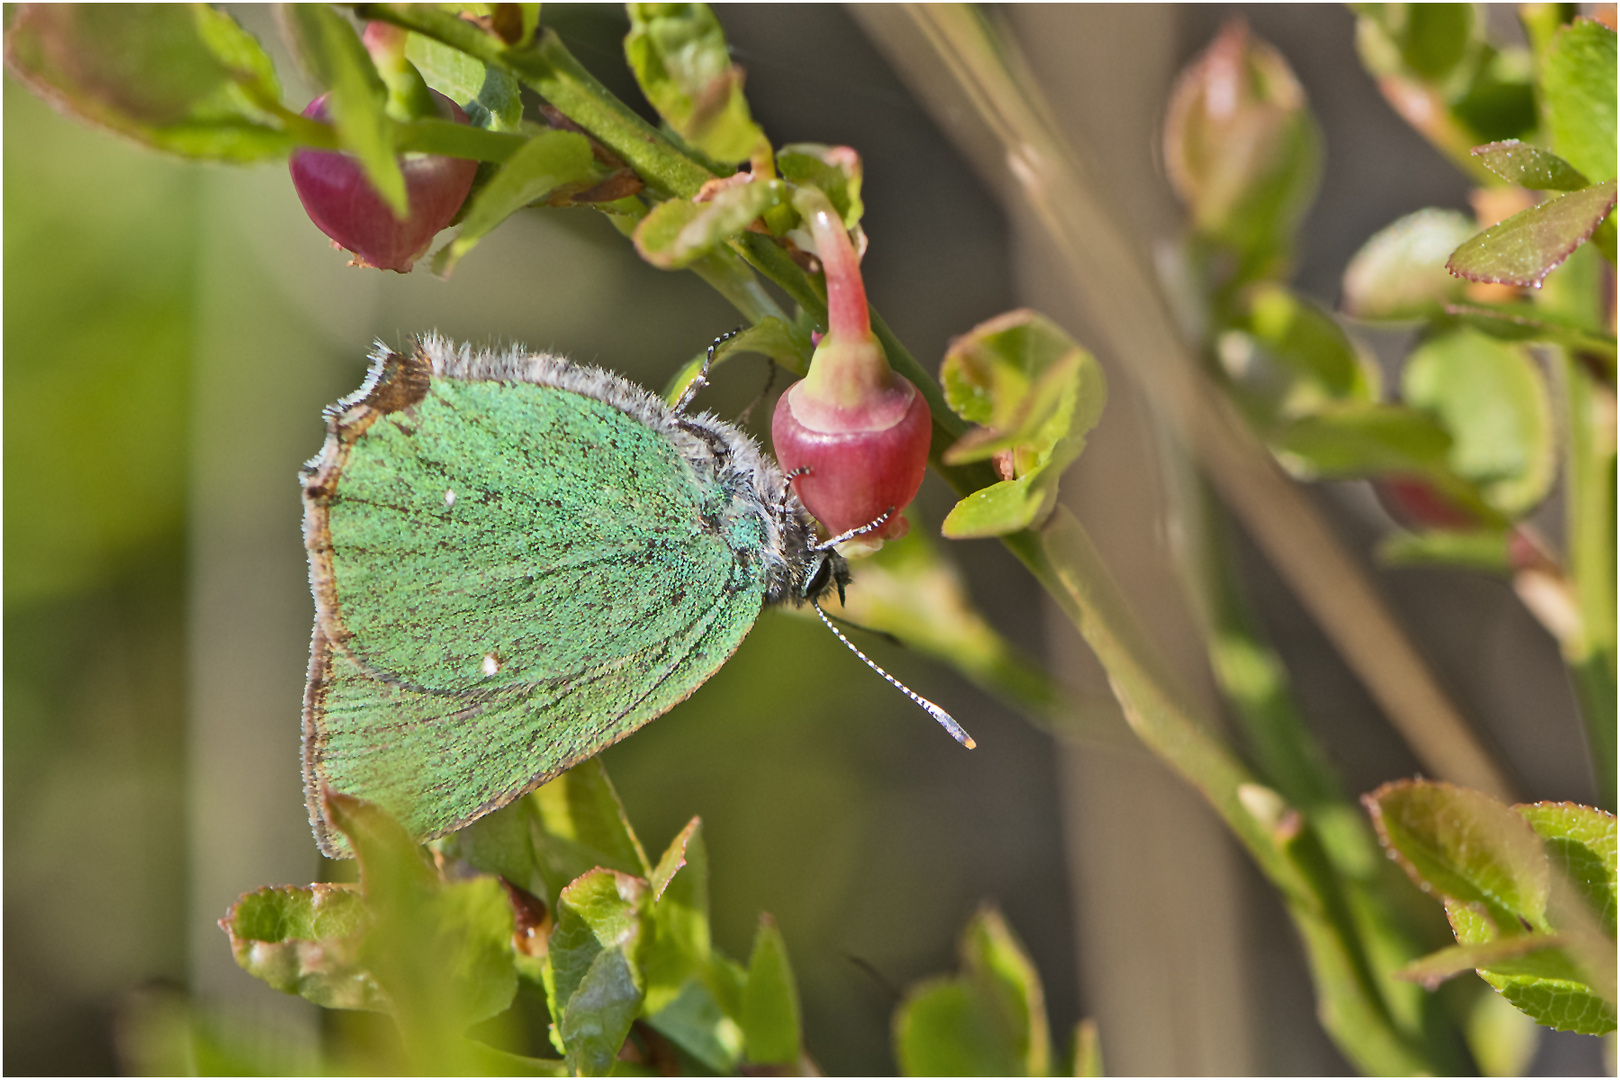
{"x": 825, "y": 570}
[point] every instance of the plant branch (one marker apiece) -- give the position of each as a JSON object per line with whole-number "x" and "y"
{"x": 1339, "y": 929}
{"x": 1111, "y": 274}
{"x": 1589, "y": 497}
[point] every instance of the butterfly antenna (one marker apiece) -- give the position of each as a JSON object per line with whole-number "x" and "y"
{"x": 701, "y": 379}
{"x": 945, "y": 719}
{"x": 826, "y": 545}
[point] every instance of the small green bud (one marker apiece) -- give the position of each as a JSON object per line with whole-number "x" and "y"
{"x": 1242, "y": 150}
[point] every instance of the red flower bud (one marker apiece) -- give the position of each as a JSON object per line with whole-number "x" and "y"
{"x": 857, "y": 433}
{"x": 342, "y": 203}
{"x": 856, "y": 471}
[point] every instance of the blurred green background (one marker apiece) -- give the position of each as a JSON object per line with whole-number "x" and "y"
{"x": 172, "y": 334}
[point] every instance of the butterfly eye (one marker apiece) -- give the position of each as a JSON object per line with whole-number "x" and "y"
{"x": 818, "y": 580}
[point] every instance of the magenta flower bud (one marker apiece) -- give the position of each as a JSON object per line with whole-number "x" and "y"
{"x": 856, "y": 433}
{"x": 342, "y": 203}
{"x": 857, "y": 471}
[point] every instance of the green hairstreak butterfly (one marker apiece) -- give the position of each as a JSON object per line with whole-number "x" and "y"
{"x": 517, "y": 561}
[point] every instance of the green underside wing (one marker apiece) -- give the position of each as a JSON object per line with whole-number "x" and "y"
{"x": 517, "y": 562}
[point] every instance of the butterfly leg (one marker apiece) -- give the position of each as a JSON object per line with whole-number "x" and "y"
{"x": 702, "y": 378}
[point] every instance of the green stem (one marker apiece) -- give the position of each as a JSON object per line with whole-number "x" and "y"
{"x": 1590, "y": 485}
{"x": 550, "y": 70}
{"x": 727, "y": 274}
{"x": 1356, "y": 936}
{"x": 1348, "y": 932}
{"x": 1595, "y": 689}
{"x": 427, "y": 136}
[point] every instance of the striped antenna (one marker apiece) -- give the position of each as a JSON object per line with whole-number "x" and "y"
{"x": 944, "y": 718}
{"x": 827, "y": 545}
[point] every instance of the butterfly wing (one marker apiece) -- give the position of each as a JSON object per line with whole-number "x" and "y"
{"x": 509, "y": 577}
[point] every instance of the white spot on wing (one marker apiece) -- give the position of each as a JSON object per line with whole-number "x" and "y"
{"x": 491, "y": 664}
{"x": 449, "y": 497}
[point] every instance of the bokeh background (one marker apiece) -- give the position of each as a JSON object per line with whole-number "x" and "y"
{"x": 171, "y": 334}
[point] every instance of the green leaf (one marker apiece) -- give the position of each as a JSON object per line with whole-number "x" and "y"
{"x": 182, "y": 78}
{"x": 473, "y": 963}
{"x": 1362, "y": 440}
{"x": 836, "y": 170}
{"x": 988, "y": 1021}
{"x": 490, "y": 95}
{"x": 946, "y": 1028}
{"x": 305, "y": 942}
{"x": 1087, "y": 1049}
{"x": 505, "y": 844}
{"x": 1498, "y": 101}
{"x": 679, "y": 55}
{"x": 1433, "y": 38}
{"x": 552, "y": 836}
{"x": 390, "y": 861}
{"x": 442, "y": 953}
{"x": 1036, "y": 394}
{"x": 770, "y": 1005}
{"x": 546, "y": 162}
{"x": 250, "y": 67}
{"x": 1561, "y": 1004}
{"x": 1553, "y": 986}
{"x": 1010, "y": 505}
{"x": 337, "y": 60}
{"x": 1529, "y": 954}
{"x": 581, "y": 807}
{"x": 679, "y": 944}
{"x": 1531, "y": 244}
{"x": 1546, "y": 985}
{"x": 1400, "y": 272}
{"x": 1578, "y": 88}
{"x": 1020, "y": 376}
{"x": 1492, "y": 399}
{"x": 677, "y": 233}
{"x": 592, "y": 986}
{"x": 674, "y": 858}
{"x": 1291, "y": 357}
{"x": 1465, "y": 846}
{"x": 1529, "y": 166}
{"x": 695, "y": 1021}
{"x": 1581, "y": 841}
{"x": 1481, "y": 549}
{"x": 683, "y": 978}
